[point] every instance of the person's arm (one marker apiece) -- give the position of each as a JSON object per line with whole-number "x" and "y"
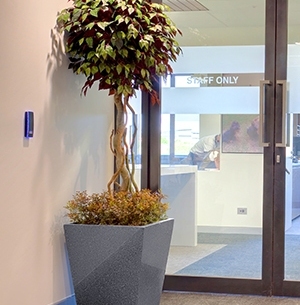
{"x": 217, "y": 161}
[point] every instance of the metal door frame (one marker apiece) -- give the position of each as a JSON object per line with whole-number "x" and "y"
{"x": 272, "y": 282}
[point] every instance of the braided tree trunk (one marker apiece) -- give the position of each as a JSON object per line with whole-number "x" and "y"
{"x": 120, "y": 148}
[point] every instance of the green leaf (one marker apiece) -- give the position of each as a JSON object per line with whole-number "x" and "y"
{"x": 96, "y": 4}
{"x": 103, "y": 53}
{"x": 102, "y": 67}
{"x": 127, "y": 68}
{"x": 160, "y": 69}
{"x": 149, "y": 38}
{"x": 110, "y": 51}
{"x": 84, "y": 16}
{"x": 147, "y": 19}
{"x": 90, "y": 25}
{"x": 132, "y": 31}
{"x": 119, "y": 43}
{"x": 64, "y": 17}
{"x": 87, "y": 71}
{"x": 150, "y": 61}
{"x": 120, "y": 19}
{"x": 143, "y": 73}
{"x": 151, "y": 15}
{"x": 90, "y": 55}
{"x": 130, "y": 10}
{"x": 89, "y": 41}
{"x": 124, "y": 53}
{"x": 120, "y": 89}
{"x": 130, "y": 47}
{"x": 158, "y": 28}
{"x": 138, "y": 13}
{"x": 94, "y": 70}
{"x": 81, "y": 41}
{"x": 148, "y": 86}
{"x": 68, "y": 27}
{"x": 128, "y": 89}
{"x": 121, "y": 35}
{"x": 119, "y": 68}
{"x": 144, "y": 44}
{"x": 138, "y": 54}
{"x": 95, "y": 12}
{"x": 102, "y": 25}
{"x": 76, "y": 14}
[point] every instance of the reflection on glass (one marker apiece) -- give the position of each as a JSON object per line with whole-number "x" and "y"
{"x": 133, "y": 134}
{"x": 292, "y": 176}
{"x": 218, "y": 213}
{"x": 292, "y": 217}
{"x": 181, "y": 144}
{"x": 240, "y": 133}
{"x": 205, "y": 153}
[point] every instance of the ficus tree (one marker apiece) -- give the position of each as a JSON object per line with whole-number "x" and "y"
{"x": 122, "y": 46}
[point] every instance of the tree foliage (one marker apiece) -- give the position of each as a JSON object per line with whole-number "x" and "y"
{"x": 121, "y": 44}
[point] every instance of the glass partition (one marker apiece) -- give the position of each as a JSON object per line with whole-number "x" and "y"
{"x": 292, "y": 176}
{"x": 213, "y": 97}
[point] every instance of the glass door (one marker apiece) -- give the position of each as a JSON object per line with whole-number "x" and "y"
{"x": 212, "y": 159}
{"x": 225, "y": 136}
{"x": 291, "y": 283}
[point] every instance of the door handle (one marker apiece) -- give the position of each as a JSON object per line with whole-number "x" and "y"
{"x": 284, "y": 131}
{"x": 262, "y": 85}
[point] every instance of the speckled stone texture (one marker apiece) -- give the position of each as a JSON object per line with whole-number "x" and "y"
{"x": 118, "y": 265}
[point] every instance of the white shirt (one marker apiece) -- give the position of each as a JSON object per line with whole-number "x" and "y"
{"x": 205, "y": 144}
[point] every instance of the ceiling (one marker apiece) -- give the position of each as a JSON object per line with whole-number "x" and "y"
{"x": 226, "y": 22}
{"x": 185, "y": 5}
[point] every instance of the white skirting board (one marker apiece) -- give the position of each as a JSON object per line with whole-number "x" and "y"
{"x": 229, "y": 230}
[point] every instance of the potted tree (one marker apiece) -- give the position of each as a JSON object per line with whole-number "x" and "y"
{"x": 122, "y": 45}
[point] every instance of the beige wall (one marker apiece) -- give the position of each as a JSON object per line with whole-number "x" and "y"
{"x": 39, "y": 175}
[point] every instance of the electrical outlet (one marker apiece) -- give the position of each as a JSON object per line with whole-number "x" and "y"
{"x": 242, "y": 211}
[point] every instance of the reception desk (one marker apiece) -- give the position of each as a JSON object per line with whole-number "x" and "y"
{"x": 178, "y": 182}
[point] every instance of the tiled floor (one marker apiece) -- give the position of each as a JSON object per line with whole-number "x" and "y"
{"x": 169, "y": 298}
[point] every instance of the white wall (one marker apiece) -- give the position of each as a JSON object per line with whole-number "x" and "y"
{"x": 39, "y": 175}
{"x": 238, "y": 184}
{"x": 210, "y": 124}
{"x": 293, "y": 74}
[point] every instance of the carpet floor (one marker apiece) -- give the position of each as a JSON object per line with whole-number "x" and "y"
{"x": 232, "y": 255}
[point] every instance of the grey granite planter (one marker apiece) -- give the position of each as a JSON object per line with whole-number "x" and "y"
{"x": 118, "y": 265}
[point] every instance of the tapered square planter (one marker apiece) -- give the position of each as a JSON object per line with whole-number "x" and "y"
{"x": 118, "y": 265}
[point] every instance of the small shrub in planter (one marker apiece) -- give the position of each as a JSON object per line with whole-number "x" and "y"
{"x": 119, "y": 208}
